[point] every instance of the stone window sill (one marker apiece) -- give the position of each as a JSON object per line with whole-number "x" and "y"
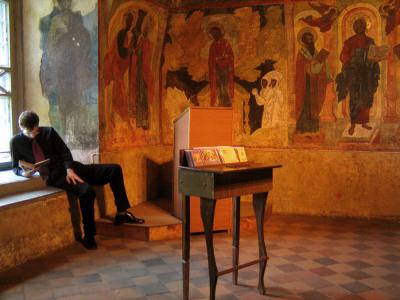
{"x": 17, "y": 190}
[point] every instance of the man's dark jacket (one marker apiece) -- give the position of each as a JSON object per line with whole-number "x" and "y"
{"x": 53, "y": 147}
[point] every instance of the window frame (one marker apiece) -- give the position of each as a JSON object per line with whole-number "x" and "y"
{"x": 16, "y": 66}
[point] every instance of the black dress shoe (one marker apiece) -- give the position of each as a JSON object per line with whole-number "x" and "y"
{"x": 89, "y": 242}
{"x": 127, "y": 217}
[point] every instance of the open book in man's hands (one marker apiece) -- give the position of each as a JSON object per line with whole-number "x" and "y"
{"x": 30, "y": 166}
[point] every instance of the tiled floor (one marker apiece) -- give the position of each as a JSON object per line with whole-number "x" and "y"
{"x": 310, "y": 258}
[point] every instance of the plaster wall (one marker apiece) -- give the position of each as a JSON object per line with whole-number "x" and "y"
{"x": 34, "y": 229}
{"x": 34, "y": 99}
{"x": 359, "y": 184}
{"x": 334, "y": 183}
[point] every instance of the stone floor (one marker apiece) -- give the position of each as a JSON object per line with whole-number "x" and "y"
{"x": 310, "y": 258}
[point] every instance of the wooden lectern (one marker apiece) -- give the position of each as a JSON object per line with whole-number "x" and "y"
{"x": 202, "y": 127}
{"x": 220, "y": 182}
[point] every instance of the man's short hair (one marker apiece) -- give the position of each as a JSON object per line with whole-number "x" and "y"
{"x": 28, "y": 120}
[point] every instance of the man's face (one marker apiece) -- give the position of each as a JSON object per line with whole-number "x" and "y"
{"x": 30, "y": 133}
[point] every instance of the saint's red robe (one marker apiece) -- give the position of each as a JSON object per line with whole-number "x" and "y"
{"x": 115, "y": 68}
{"x": 318, "y": 84}
{"x": 220, "y": 57}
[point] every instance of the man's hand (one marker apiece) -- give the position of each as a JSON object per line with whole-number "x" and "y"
{"x": 28, "y": 173}
{"x": 72, "y": 178}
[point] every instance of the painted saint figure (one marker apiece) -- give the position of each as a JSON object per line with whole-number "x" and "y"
{"x": 220, "y": 68}
{"x": 359, "y": 76}
{"x": 141, "y": 75}
{"x": 66, "y": 63}
{"x": 44, "y": 74}
{"x": 130, "y": 54}
{"x": 271, "y": 98}
{"x": 115, "y": 69}
{"x": 312, "y": 76}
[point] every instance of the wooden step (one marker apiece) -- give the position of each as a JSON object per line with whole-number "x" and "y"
{"x": 159, "y": 225}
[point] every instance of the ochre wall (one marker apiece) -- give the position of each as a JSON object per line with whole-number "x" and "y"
{"x": 311, "y": 182}
{"x": 27, "y": 231}
{"x": 334, "y": 183}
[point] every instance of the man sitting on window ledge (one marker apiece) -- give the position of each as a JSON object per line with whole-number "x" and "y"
{"x": 36, "y": 144}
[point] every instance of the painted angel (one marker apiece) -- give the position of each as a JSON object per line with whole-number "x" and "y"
{"x": 328, "y": 13}
{"x": 391, "y": 11}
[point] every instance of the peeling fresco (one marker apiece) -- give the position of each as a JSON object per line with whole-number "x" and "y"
{"x": 68, "y": 72}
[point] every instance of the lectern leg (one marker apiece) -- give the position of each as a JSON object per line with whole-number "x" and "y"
{"x": 185, "y": 245}
{"x": 207, "y": 208}
{"x": 259, "y": 201}
{"x": 235, "y": 237}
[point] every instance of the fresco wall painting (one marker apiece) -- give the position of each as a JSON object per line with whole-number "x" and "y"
{"x": 350, "y": 118}
{"x": 226, "y": 64}
{"x": 359, "y": 121}
{"x": 303, "y": 74}
{"x": 130, "y": 51}
{"x": 280, "y": 67}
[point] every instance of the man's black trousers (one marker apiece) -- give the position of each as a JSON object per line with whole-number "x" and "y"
{"x": 93, "y": 175}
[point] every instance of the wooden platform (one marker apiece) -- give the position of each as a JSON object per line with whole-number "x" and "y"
{"x": 159, "y": 225}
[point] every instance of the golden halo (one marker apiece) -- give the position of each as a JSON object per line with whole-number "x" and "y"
{"x": 366, "y": 18}
{"x": 215, "y": 24}
{"x": 303, "y": 31}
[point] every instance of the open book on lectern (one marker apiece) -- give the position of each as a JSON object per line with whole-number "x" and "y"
{"x": 218, "y": 155}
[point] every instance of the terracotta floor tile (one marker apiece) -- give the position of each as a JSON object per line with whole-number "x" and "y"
{"x": 318, "y": 258}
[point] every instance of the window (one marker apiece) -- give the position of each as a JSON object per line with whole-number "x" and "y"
{"x": 5, "y": 83}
